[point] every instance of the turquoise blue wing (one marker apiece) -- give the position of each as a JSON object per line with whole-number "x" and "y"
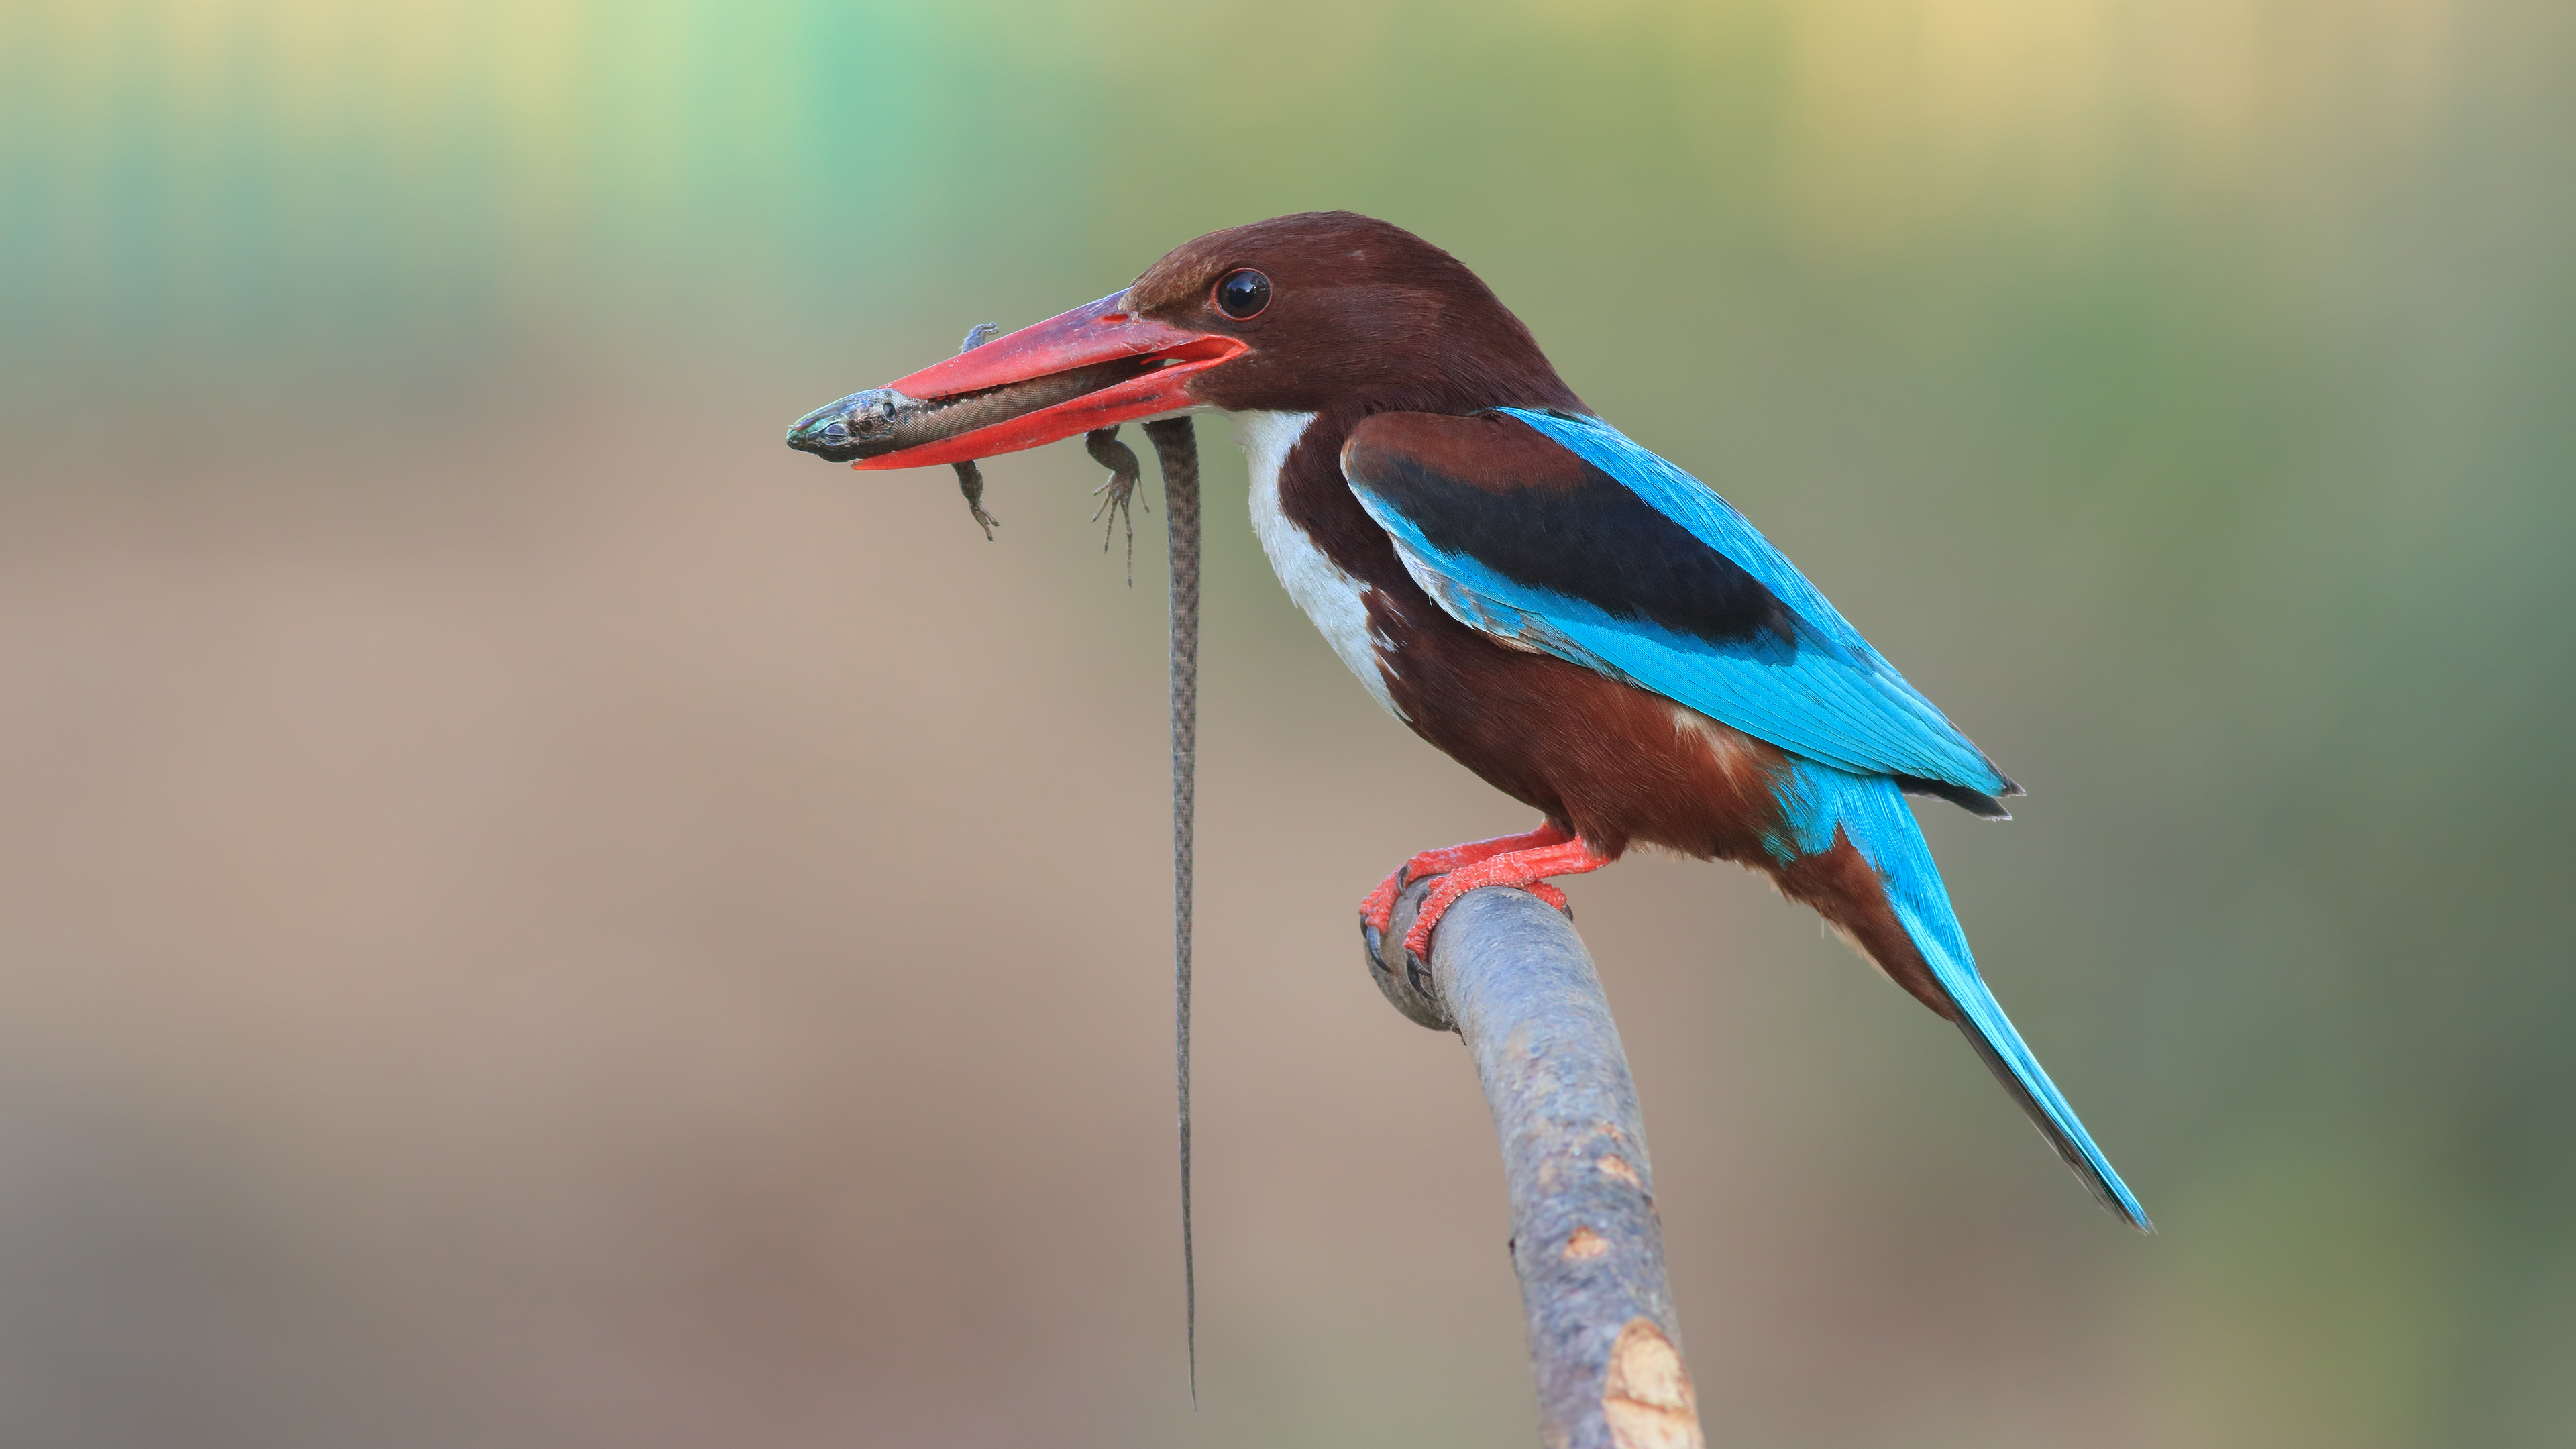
{"x": 1603, "y": 554}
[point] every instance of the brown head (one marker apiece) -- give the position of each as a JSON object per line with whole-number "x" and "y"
{"x": 1325, "y": 310}
{"x": 1350, "y": 312}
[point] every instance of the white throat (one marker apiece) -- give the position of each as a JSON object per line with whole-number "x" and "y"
{"x": 1337, "y": 602}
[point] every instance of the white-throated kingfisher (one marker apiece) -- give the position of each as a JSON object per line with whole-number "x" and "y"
{"x": 1584, "y": 625}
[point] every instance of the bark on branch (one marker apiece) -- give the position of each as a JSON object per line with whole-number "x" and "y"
{"x": 1511, "y": 977}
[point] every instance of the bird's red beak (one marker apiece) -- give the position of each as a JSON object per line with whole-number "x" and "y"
{"x": 1166, "y": 358}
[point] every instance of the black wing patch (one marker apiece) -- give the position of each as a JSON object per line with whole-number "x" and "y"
{"x": 1491, "y": 487}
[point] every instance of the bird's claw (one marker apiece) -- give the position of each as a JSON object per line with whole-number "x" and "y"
{"x": 1377, "y": 908}
{"x": 1451, "y": 890}
{"x": 1417, "y": 971}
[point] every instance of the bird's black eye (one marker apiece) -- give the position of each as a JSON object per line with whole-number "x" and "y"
{"x": 1242, "y": 293}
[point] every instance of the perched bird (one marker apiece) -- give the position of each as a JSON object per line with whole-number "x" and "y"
{"x": 1581, "y": 623}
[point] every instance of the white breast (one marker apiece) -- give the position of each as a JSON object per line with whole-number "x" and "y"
{"x": 1333, "y": 599}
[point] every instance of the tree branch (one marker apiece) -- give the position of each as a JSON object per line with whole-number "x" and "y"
{"x": 1511, "y": 977}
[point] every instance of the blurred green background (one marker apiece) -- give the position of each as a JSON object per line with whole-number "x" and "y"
{"x": 530, "y": 914}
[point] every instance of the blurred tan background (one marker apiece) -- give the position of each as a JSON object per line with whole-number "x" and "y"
{"x": 531, "y": 915}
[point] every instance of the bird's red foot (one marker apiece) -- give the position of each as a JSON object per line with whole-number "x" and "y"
{"x": 1524, "y": 869}
{"x": 1379, "y": 906}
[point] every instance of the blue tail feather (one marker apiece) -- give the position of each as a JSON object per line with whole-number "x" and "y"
{"x": 1817, "y": 802}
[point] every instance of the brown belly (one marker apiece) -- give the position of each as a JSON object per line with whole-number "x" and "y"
{"x": 1622, "y": 766}
{"x": 1619, "y": 765}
